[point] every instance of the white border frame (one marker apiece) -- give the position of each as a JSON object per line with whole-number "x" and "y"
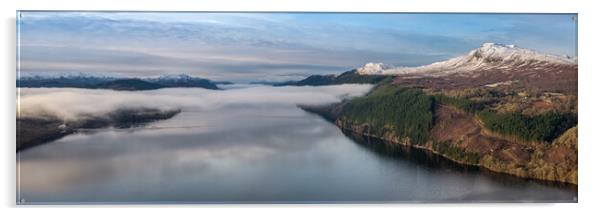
{"x": 589, "y": 76}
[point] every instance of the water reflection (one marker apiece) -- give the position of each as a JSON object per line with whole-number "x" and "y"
{"x": 400, "y": 152}
{"x": 428, "y": 160}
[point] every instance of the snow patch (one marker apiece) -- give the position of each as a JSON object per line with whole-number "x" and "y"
{"x": 488, "y": 56}
{"x": 505, "y": 83}
{"x": 374, "y": 68}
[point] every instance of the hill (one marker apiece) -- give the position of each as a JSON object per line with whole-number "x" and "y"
{"x": 464, "y": 130}
{"x": 492, "y": 65}
{"x": 344, "y": 78}
{"x": 33, "y": 131}
{"x": 128, "y": 85}
{"x": 116, "y": 83}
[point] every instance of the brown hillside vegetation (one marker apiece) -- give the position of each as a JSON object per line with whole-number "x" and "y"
{"x": 556, "y": 161}
{"x": 561, "y": 78}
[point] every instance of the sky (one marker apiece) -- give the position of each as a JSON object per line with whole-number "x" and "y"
{"x": 243, "y": 47}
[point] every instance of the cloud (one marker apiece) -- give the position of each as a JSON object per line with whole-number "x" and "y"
{"x": 227, "y": 65}
{"x": 71, "y": 104}
{"x": 257, "y": 46}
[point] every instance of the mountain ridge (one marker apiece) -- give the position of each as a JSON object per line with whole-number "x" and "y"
{"x": 82, "y": 80}
{"x": 492, "y": 65}
{"x": 347, "y": 77}
{"x": 487, "y": 57}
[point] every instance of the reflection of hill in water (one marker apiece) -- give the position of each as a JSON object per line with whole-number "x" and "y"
{"x": 400, "y": 152}
{"x": 435, "y": 162}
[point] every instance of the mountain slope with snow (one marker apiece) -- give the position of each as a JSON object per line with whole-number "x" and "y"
{"x": 95, "y": 81}
{"x": 490, "y": 56}
{"x": 374, "y": 68}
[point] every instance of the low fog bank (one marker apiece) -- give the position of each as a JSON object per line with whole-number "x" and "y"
{"x": 69, "y": 104}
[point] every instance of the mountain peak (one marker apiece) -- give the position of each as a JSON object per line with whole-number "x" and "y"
{"x": 181, "y": 76}
{"x": 490, "y": 45}
{"x": 507, "y": 54}
{"x": 487, "y": 57}
{"x": 374, "y": 68}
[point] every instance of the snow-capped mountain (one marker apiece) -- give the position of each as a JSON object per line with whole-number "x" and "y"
{"x": 85, "y": 80}
{"x": 172, "y": 77}
{"x": 182, "y": 80}
{"x": 490, "y": 56}
{"x": 66, "y": 75}
{"x": 374, "y": 68}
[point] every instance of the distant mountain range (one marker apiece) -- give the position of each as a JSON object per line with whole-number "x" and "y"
{"x": 115, "y": 83}
{"x": 491, "y": 65}
{"x": 490, "y": 56}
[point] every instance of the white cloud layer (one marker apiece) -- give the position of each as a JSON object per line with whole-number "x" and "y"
{"x": 71, "y": 103}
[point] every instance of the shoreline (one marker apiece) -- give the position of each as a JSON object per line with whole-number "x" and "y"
{"x": 450, "y": 162}
{"x": 429, "y": 147}
{"x": 432, "y": 151}
{"x": 35, "y": 131}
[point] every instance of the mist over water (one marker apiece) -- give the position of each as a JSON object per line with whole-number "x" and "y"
{"x": 248, "y": 144}
{"x": 71, "y": 103}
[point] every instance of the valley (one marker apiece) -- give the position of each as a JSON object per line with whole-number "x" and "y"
{"x": 284, "y": 107}
{"x": 507, "y": 109}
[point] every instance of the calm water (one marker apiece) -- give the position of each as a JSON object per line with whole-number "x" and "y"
{"x": 253, "y": 152}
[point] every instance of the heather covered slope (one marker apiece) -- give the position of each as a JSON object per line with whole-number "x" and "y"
{"x": 451, "y": 126}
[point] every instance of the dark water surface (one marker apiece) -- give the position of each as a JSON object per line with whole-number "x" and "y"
{"x": 254, "y": 153}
